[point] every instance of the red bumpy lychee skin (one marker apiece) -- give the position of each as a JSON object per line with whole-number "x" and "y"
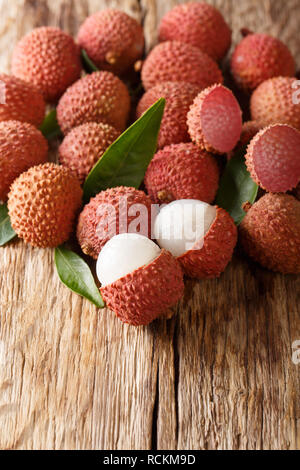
{"x": 198, "y": 24}
{"x": 179, "y": 97}
{"x": 259, "y": 57}
{"x": 270, "y": 233}
{"x": 99, "y": 97}
{"x": 209, "y": 257}
{"x": 146, "y": 293}
{"x": 182, "y": 171}
{"x": 215, "y": 120}
{"x": 112, "y": 39}
{"x": 249, "y": 130}
{"x": 101, "y": 218}
{"x": 21, "y": 146}
{"x": 49, "y": 58}
{"x": 20, "y": 101}
{"x": 273, "y": 158}
{"x": 178, "y": 62}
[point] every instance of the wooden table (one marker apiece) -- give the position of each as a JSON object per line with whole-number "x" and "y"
{"x": 218, "y": 375}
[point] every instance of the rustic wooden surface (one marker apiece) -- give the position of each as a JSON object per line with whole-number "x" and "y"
{"x": 218, "y": 375}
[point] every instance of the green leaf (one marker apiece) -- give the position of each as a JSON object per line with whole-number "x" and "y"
{"x": 50, "y": 128}
{"x": 88, "y": 63}
{"x": 236, "y": 187}
{"x": 125, "y": 162}
{"x": 6, "y": 231}
{"x": 76, "y": 275}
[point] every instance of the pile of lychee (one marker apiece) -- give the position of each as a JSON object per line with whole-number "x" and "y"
{"x": 141, "y": 271}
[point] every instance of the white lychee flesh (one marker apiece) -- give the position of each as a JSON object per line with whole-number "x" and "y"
{"x": 179, "y": 225}
{"x": 123, "y": 254}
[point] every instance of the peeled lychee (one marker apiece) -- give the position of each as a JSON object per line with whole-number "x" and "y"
{"x": 182, "y": 171}
{"x": 99, "y": 97}
{"x": 215, "y": 120}
{"x": 198, "y": 24}
{"x": 273, "y": 158}
{"x": 43, "y": 203}
{"x": 49, "y": 58}
{"x": 21, "y": 146}
{"x": 202, "y": 237}
{"x": 20, "y": 101}
{"x": 275, "y": 102}
{"x": 112, "y": 39}
{"x": 259, "y": 57}
{"x": 116, "y": 210}
{"x": 140, "y": 282}
{"x": 179, "y": 97}
{"x": 270, "y": 233}
{"x": 85, "y": 145}
{"x": 173, "y": 61}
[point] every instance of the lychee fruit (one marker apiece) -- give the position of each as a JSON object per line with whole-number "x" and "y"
{"x": 249, "y": 130}
{"x": 43, "y": 203}
{"x": 198, "y": 24}
{"x": 21, "y": 146}
{"x": 178, "y": 62}
{"x": 112, "y": 39}
{"x": 179, "y": 96}
{"x": 202, "y": 237}
{"x": 182, "y": 171}
{"x": 49, "y": 58}
{"x": 215, "y": 120}
{"x": 273, "y": 158}
{"x": 84, "y": 146}
{"x": 259, "y": 57}
{"x": 270, "y": 233}
{"x": 20, "y": 101}
{"x": 140, "y": 282}
{"x": 99, "y": 97}
{"x": 113, "y": 211}
{"x": 273, "y": 102}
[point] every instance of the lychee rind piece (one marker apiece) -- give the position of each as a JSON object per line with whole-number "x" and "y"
{"x": 273, "y": 102}
{"x": 97, "y": 223}
{"x": 259, "y": 57}
{"x": 182, "y": 171}
{"x": 49, "y": 58}
{"x": 273, "y": 158}
{"x": 99, "y": 97}
{"x": 215, "y": 120}
{"x": 198, "y": 24}
{"x": 179, "y": 96}
{"x": 20, "y": 101}
{"x": 145, "y": 294}
{"x": 43, "y": 203}
{"x": 112, "y": 39}
{"x": 84, "y": 145}
{"x": 178, "y": 62}
{"x": 21, "y": 146}
{"x": 270, "y": 233}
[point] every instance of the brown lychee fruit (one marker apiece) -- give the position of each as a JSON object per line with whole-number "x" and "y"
{"x": 139, "y": 281}
{"x": 259, "y": 57}
{"x": 20, "y": 101}
{"x": 113, "y": 211}
{"x": 49, "y": 58}
{"x": 174, "y": 61}
{"x": 273, "y": 158}
{"x": 270, "y": 233}
{"x": 215, "y": 120}
{"x": 21, "y": 146}
{"x": 182, "y": 171}
{"x": 84, "y": 146}
{"x": 198, "y": 24}
{"x": 275, "y": 102}
{"x": 112, "y": 39}
{"x": 99, "y": 97}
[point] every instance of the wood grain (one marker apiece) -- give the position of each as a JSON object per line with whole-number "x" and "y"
{"x": 219, "y": 375}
